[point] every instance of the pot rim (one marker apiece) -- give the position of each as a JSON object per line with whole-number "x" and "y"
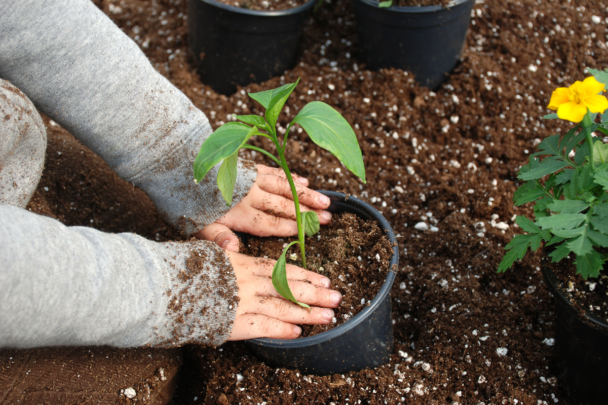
{"x": 365, "y": 313}
{"x": 414, "y": 9}
{"x": 556, "y": 289}
{"x": 260, "y": 13}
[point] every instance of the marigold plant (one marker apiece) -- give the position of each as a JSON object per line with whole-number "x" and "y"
{"x": 568, "y": 185}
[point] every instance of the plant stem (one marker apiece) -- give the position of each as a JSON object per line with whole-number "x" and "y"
{"x": 262, "y": 151}
{"x": 296, "y": 202}
{"x": 587, "y": 122}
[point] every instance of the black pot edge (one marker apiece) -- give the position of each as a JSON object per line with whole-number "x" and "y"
{"x": 260, "y": 13}
{"x": 561, "y": 296}
{"x": 352, "y": 323}
{"x": 414, "y": 10}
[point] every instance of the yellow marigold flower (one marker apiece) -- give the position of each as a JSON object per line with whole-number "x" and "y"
{"x": 572, "y": 102}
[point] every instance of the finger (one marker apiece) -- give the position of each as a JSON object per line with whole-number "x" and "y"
{"x": 265, "y": 267}
{"x": 287, "y": 311}
{"x": 263, "y": 224}
{"x": 251, "y": 326}
{"x": 221, "y": 235}
{"x": 280, "y": 172}
{"x": 284, "y": 207}
{"x": 304, "y": 293}
{"x": 280, "y": 186}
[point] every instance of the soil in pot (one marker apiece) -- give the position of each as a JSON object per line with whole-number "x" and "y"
{"x": 353, "y": 253}
{"x": 420, "y": 3}
{"x": 265, "y": 5}
{"x": 588, "y": 296}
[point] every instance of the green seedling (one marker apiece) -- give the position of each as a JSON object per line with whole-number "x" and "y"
{"x": 325, "y": 127}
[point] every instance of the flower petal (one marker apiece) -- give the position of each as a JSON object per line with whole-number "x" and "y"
{"x": 596, "y": 103}
{"x": 559, "y": 97}
{"x": 572, "y": 111}
{"x": 591, "y": 87}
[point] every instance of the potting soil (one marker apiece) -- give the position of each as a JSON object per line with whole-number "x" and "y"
{"x": 441, "y": 168}
{"x": 353, "y": 253}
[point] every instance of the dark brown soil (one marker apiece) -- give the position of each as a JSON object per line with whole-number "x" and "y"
{"x": 90, "y": 375}
{"x": 265, "y": 5}
{"x": 420, "y": 3}
{"x": 588, "y": 296}
{"x": 447, "y": 158}
{"x": 354, "y": 254}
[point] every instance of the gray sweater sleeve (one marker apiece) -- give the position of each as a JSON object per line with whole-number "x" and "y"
{"x": 81, "y": 70}
{"x": 78, "y": 286}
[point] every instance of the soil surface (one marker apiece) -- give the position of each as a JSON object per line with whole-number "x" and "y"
{"x": 588, "y": 296}
{"x": 354, "y": 254}
{"x": 265, "y": 5}
{"x": 464, "y": 334}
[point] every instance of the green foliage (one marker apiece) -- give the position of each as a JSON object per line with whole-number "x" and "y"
{"x": 311, "y": 224}
{"x": 600, "y": 75}
{"x": 328, "y": 129}
{"x": 324, "y": 125}
{"x": 569, "y": 197}
{"x": 385, "y": 4}
{"x": 279, "y": 278}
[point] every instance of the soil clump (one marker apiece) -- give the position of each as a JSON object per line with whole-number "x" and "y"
{"x": 353, "y": 253}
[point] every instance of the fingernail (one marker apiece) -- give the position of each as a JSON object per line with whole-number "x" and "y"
{"x": 297, "y": 330}
{"x": 326, "y": 215}
{"x": 325, "y": 282}
{"x": 225, "y": 243}
{"x": 323, "y": 199}
{"x": 335, "y": 297}
{"x": 327, "y": 314}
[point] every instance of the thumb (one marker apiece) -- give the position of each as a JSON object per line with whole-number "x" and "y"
{"x": 221, "y": 235}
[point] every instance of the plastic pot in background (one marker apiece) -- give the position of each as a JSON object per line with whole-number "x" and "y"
{"x": 426, "y": 41}
{"x": 581, "y": 348}
{"x": 365, "y": 341}
{"x": 236, "y": 46}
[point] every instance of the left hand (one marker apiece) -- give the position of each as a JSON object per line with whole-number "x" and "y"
{"x": 267, "y": 210}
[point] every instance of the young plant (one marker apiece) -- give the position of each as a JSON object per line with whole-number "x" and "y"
{"x": 568, "y": 186}
{"x": 325, "y": 127}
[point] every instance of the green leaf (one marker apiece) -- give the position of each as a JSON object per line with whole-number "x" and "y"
{"x": 564, "y": 176}
{"x": 561, "y": 221}
{"x": 573, "y": 143}
{"x": 310, "y": 222}
{"x": 226, "y": 140}
{"x": 600, "y": 75}
{"x": 526, "y": 224}
{"x": 600, "y": 153}
{"x": 604, "y": 119}
{"x": 551, "y": 117}
{"x": 569, "y": 233}
{"x": 600, "y": 176}
{"x": 599, "y": 224}
{"x": 589, "y": 264}
{"x": 226, "y": 177}
{"x": 254, "y": 120}
{"x": 547, "y": 166}
{"x": 274, "y": 100}
{"x": 384, "y": 4}
{"x": 554, "y": 240}
{"x": 528, "y": 192}
{"x": 582, "y": 152}
{"x": 601, "y": 210}
{"x": 580, "y": 245}
{"x": 328, "y": 129}
{"x": 599, "y": 239}
{"x": 559, "y": 253}
{"x": 279, "y": 278}
{"x": 549, "y": 146}
{"x": 568, "y": 206}
{"x": 516, "y": 249}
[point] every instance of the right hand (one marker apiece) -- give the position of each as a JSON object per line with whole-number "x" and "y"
{"x": 262, "y": 312}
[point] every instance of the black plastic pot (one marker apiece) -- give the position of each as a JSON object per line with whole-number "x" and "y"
{"x": 426, "y": 41}
{"x": 237, "y": 46}
{"x": 581, "y": 348}
{"x": 365, "y": 341}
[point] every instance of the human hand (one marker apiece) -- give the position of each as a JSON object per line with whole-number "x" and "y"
{"x": 267, "y": 210}
{"x": 261, "y": 311}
